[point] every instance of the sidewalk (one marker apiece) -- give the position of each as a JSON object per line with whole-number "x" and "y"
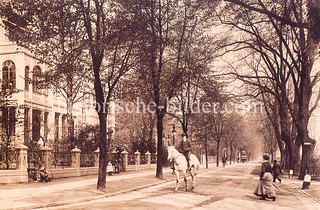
{"x": 32, "y": 195}
{"x": 69, "y": 190}
{"x": 313, "y": 192}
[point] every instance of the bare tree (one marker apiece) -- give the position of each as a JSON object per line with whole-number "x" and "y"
{"x": 169, "y": 29}
{"x": 110, "y": 38}
{"x": 293, "y": 24}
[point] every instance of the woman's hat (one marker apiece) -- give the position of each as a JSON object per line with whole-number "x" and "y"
{"x": 266, "y": 156}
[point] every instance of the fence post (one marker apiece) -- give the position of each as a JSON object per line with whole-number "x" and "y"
{"x": 22, "y": 154}
{"x": 124, "y": 156}
{"x": 75, "y": 160}
{"x": 46, "y": 153}
{"x": 22, "y": 161}
{"x": 96, "y": 157}
{"x": 148, "y": 156}
{"x": 137, "y": 155}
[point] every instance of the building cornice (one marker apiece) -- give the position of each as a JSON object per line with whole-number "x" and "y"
{"x": 16, "y": 51}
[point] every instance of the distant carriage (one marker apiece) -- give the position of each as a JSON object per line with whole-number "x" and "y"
{"x": 243, "y": 157}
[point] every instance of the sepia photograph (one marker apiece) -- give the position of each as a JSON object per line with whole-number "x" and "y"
{"x": 160, "y": 104}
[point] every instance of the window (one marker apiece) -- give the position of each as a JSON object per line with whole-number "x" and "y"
{"x": 36, "y": 78}
{"x": 26, "y": 78}
{"x": 36, "y": 124}
{"x": 9, "y": 75}
{"x": 8, "y": 120}
{"x": 26, "y": 124}
{"x": 64, "y": 126}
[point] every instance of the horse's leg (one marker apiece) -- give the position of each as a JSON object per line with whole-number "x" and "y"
{"x": 177, "y": 180}
{"x": 185, "y": 180}
{"x": 193, "y": 179}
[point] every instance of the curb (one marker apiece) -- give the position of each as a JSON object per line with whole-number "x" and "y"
{"x": 306, "y": 196}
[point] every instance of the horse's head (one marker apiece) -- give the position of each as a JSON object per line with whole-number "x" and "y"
{"x": 170, "y": 152}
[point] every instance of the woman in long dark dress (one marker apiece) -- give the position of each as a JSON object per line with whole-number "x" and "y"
{"x": 265, "y": 188}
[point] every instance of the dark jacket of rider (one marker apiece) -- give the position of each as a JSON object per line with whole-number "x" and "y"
{"x": 184, "y": 146}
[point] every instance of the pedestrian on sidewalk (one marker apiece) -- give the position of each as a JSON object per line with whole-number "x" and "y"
{"x": 224, "y": 160}
{"x": 276, "y": 170}
{"x": 265, "y": 187}
{"x": 109, "y": 168}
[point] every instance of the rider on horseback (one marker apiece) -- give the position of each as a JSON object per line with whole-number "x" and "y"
{"x": 185, "y": 148}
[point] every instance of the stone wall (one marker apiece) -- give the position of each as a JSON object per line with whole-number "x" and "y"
{"x": 21, "y": 173}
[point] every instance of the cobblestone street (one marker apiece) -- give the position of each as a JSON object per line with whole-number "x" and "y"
{"x": 217, "y": 188}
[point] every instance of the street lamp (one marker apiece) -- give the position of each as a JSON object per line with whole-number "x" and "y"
{"x": 173, "y": 132}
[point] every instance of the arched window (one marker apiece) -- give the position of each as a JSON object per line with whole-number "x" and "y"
{"x": 36, "y": 77}
{"x": 26, "y": 78}
{"x": 9, "y": 74}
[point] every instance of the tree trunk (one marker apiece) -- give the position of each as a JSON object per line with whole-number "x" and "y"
{"x": 102, "y": 110}
{"x": 218, "y": 145}
{"x": 309, "y": 50}
{"x": 282, "y": 159}
{"x": 306, "y": 151}
{"x": 285, "y": 133}
{"x": 206, "y": 151}
{"x": 101, "y": 185}
{"x": 159, "y": 173}
{"x": 70, "y": 123}
{"x": 231, "y": 153}
{"x": 305, "y": 161}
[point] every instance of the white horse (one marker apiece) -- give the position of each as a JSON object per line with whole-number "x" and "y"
{"x": 180, "y": 164}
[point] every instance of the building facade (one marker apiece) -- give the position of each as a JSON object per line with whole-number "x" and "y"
{"x": 42, "y": 114}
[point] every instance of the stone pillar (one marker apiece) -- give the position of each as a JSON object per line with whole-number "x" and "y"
{"x": 18, "y": 139}
{"x": 22, "y": 157}
{"x": 124, "y": 157}
{"x": 137, "y": 155}
{"x": 96, "y": 157}
{"x": 75, "y": 158}
{"x": 148, "y": 156}
{"x": 114, "y": 155}
{"x": 50, "y": 130}
{"x": 46, "y": 154}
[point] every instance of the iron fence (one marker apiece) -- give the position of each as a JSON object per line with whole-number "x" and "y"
{"x": 143, "y": 159}
{"x": 153, "y": 159}
{"x": 109, "y": 158}
{"x": 62, "y": 159}
{"x": 8, "y": 159}
{"x": 131, "y": 159}
{"x": 87, "y": 160}
{"x": 315, "y": 172}
{"x": 34, "y": 159}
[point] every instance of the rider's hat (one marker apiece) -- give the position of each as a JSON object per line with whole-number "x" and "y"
{"x": 184, "y": 134}
{"x": 266, "y": 156}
